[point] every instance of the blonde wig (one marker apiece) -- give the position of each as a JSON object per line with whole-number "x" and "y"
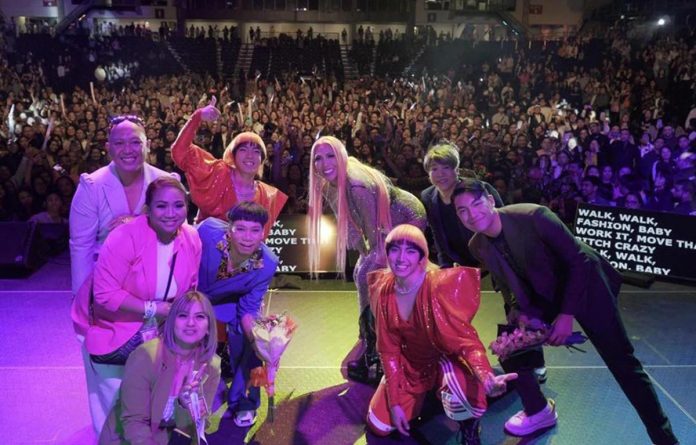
{"x": 344, "y": 165}
{"x": 206, "y": 350}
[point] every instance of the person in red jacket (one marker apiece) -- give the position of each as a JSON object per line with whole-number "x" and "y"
{"x": 425, "y": 339}
{"x": 217, "y": 185}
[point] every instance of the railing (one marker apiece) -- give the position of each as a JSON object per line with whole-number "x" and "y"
{"x": 75, "y": 14}
{"x": 265, "y": 35}
{"x": 508, "y": 19}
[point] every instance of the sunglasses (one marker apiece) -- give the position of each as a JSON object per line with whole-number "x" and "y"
{"x": 126, "y": 117}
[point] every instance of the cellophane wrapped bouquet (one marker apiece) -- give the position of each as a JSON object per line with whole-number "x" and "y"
{"x": 521, "y": 340}
{"x": 272, "y": 335}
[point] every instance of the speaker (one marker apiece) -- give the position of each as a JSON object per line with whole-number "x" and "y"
{"x": 22, "y": 249}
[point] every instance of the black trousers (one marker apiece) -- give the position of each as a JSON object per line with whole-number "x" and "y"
{"x": 367, "y": 334}
{"x": 606, "y": 331}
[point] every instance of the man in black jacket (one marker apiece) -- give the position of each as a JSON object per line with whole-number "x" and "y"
{"x": 452, "y": 238}
{"x": 556, "y": 279}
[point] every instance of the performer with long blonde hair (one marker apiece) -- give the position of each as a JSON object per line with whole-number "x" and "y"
{"x": 366, "y": 205}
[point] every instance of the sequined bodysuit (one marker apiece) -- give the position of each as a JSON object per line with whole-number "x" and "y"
{"x": 442, "y": 315}
{"x": 363, "y": 232}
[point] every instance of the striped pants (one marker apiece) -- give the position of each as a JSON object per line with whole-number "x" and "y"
{"x": 463, "y": 397}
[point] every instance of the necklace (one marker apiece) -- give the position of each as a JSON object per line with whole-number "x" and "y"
{"x": 401, "y": 291}
{"x": 244, "y": 193}
{"x": 185, "y": 358}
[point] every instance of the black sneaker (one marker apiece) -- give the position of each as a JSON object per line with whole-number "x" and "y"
{"x": 358, "y": 371}
{"x": 470, "y": 431}
{"x": 225, "y": 368}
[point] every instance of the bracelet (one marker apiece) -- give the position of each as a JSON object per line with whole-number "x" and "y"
{"x": 150, "y": 309}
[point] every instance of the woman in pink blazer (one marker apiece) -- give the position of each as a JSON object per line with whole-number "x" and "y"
{"x": 142, "y": 266}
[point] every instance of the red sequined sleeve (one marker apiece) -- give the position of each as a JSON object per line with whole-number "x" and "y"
{"x": 455, "y": 300}
{"x": 207, "y": 177}
{"x": 388, "y": 343}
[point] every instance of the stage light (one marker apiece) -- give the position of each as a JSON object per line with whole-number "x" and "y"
{"x": 327, "y": 227}
{"x": 661, "y": 22}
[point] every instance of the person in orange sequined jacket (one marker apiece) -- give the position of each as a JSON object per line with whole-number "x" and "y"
{"x": 217, "y": 185}
{"x": 425, "y": 339}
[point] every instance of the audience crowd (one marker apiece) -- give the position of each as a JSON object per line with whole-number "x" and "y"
{"x": 604, "y": 121}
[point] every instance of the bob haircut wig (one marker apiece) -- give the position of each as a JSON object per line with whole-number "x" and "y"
{"x": 413, "y": 236}
{"x": 247, "y": 137}
{"x": 407, "y": 233}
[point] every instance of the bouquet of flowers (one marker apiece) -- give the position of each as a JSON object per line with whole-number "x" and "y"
{"x": 522, "y": 340}
{"x": 271, "y": 336}
{"x": 199, "y": 413}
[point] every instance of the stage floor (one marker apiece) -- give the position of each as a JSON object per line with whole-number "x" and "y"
{"x": 45, "y": 399}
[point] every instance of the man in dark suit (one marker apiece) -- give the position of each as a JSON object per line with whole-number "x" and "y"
{"x": 452, "y": 238}
{"x": 556, "y": 279}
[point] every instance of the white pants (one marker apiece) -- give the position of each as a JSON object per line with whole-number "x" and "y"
{"x": 103, "y": 383}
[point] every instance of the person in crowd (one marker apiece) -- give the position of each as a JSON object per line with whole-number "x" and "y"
{"x": 235, "y": 273}
{"x": 660, "y": 197}
{"x": 683, "y": 145}
{"x": 66, "y": 188}
{"x": 155, "y": 404}
{"x": 666, "y": 162}
{"x": 556, "y": 279}
{"x": 366, "y": 206}
{"x": 54, "y": 211}
{"x": 27, "y": 204}
{"x": 633, "y": 201}
{"x": 425, "y": 339}
{"x": 104, "y": 200}
{"x": 622, "y": 152}
{"x": 684, "y": 191}
{"x": 218, "y": 184}
{"x": 589, "y": 189}
{"x": 608, "y": 182}
{"x": 649, "y": 154}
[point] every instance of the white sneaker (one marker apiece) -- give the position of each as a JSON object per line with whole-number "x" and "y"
{"x": 540, "y": 374}
{"x": 522, "y": 425}
{"x": 245, "y": 419}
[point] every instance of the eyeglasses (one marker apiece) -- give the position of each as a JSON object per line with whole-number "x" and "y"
{"x": 126, "y": 117}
